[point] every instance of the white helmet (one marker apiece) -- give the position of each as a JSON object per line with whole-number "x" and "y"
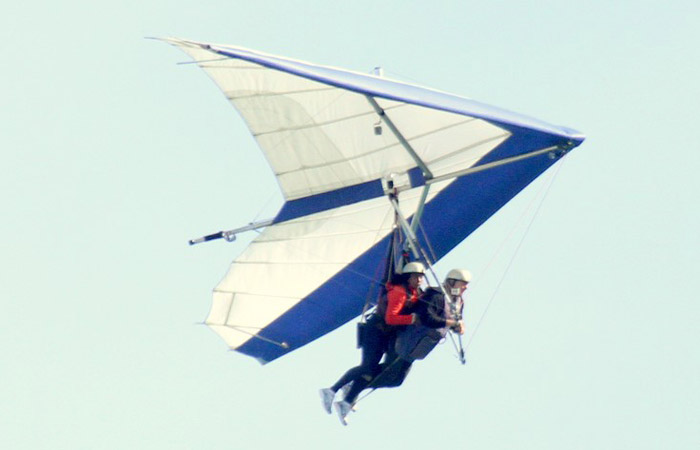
{"x": 459, "y": 275}
{"x": 414, "y": 267}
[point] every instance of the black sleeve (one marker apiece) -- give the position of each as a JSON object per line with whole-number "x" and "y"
{"x": 431, "y": 309}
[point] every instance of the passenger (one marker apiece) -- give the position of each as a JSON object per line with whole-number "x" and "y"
{"x": 436, "y": 315}
{"x": 437, "y": 312}
{"x": 377, "y": 335}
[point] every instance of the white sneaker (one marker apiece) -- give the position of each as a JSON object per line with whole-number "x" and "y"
{"x": 345, "y": 389}
{"x": 343, "y": 408}
{"x": 327, "y": 397}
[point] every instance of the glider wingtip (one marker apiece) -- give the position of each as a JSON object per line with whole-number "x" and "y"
{"x": 576, "y": 137}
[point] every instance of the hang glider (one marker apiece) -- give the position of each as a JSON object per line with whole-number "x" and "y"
{"x": 339, "y": 143}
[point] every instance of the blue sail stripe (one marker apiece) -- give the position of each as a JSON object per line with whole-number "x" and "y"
{"x": 448, "y": 219}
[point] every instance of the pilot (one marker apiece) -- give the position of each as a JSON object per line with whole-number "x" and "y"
{"x": 376, "y": 335}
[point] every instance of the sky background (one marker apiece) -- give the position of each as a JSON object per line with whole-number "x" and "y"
{"x": 113, "y": 156}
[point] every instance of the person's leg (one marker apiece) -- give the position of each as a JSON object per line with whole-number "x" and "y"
{"x": 391, "y": 374}
{"x": 372, "y": 352}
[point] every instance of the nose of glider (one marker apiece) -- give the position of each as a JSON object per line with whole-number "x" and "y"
{"x": 576, "y": 136}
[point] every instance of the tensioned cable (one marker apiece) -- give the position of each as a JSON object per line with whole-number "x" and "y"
{"x": 515, "y": 253}
{"x": 427, "y": 241}
{"x": 422, "y": 254}
{"x": 459, "y": 354}
{"x": 265, "y": 206}
{"x": 386, "y": 267}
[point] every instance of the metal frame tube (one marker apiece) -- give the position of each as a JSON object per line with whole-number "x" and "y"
{"x": 382, "y": 114}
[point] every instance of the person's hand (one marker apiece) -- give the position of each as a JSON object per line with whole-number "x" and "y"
{"x": 458, "y": 327}
{"x": 416, "y": 319}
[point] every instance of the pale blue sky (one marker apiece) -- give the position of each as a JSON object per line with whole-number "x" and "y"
{"x": 113, "y": 156}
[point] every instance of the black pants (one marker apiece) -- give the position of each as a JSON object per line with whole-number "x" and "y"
{"x": 376, "y": 342}
{"x": 392, "y": 372}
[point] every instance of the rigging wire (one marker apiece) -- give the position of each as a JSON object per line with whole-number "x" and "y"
{"x": 421, "y": 254}
{"x": 456, "y": 345}
{"x": 265, "y": 205}
{"x": 427, "y": 241}
{"x": 546, "y": 188}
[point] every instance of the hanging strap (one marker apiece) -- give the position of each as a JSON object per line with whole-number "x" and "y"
{"x": 388, "y": 269}
{"x": 390, "y": 261}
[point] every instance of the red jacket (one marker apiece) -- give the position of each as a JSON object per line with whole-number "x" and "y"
{"x": 398, "y": 300}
